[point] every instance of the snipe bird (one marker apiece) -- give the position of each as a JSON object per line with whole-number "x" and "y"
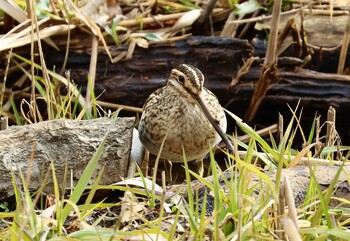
{"x": 187, "y": 114}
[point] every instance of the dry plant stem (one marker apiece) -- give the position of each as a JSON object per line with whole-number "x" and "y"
{"x": 268, "y": 76}
{"x": 171, "y": 40}
{"x": 131, "y": 49}
{"x": 318, "y": 147}
{"x": 16, "y": 30}
{"x": 159, "y": 18}
{"x": 92, "y": 71}
{"x": 242, "y": 71}
{"x": 131, "y": 169}
{"x": 98, "y": 102}
{"x": 145, "y": 163}
{"x": 117, "y": 106}
{"x": 344, "y": 49}
{"x": 248, "y": 25}
{"x": 280, "y": 211}
{"x": 69, "y": 92}
{"x": 3, "y": 88}
{"x": 230, "y": 28}
{"x": 288, "y": 192}
{"x": 269, "y": 69}
{"x": 4, "y": 122}
{"x": 206, "y": 12}
{"x": 32, "y": 111}
{"x": 68, "y": 35}
{"x": 263, "y": 18}
{"x": 262, "y": 132}
{"x": 42, "y": 62}
{"x": 330, "y": 126}
{"x": 12, "y": 11}
{"x": 330, "y": 136}
{"x": 29, "y": 8}
{"x": 89, "y": 23}
{"x": 270, "y": 58}
{"x": 283, "y": 35}
{"x": 148, "y": 20}
{"x": 280, "y": 127}
{"x": 296, "y": 39}
{"x": 291, "y": 230}
{"x": 306, "y": 51}
{"x": 21, "y": 39}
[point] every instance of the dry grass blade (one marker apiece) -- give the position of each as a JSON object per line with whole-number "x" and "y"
{"x": 159, "y": 18}
{"x": 230, "y": 28}
{"x": 89, "y": 23}
{"x": 290, "y": 229}
{"x": 13, "y": 10}
{"x": 186, "y": 20}
{"x": 290, "y": 201}
{"x": 92, "y": 71}
{"x": 300, "y": 155}
{"x": 21, "y": 40}
{"x": 15, "y": 29}
{"x": 11, "y": 36}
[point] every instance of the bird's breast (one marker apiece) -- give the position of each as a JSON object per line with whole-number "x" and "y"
{"x": 184, "y": 126}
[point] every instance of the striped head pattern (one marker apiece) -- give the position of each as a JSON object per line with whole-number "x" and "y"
{"x": 189, "y": 77}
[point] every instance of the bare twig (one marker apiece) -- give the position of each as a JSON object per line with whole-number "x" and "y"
{"x": 242, "y": 71}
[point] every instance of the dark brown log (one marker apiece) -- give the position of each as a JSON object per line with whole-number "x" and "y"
{"x": 130, "y": 82}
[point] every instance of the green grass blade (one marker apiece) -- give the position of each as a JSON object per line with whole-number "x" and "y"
{"x": 247, "y": 129}
{"x": 15, "y": 112}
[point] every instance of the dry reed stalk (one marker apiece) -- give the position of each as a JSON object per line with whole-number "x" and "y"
{"x": 92, "y": 71}
{"x": 269, "y": 70}
{"x": 344, "y": 49}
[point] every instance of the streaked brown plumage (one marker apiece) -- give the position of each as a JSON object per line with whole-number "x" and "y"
{"x": 180, "y": 109}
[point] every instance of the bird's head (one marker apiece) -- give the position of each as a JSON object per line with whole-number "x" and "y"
{"x": 187, "y": 79}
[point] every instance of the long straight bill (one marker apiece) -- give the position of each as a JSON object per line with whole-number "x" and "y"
{"x": 214, "y": 123}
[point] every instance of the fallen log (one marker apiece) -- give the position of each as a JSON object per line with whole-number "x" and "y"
{"x": 130, "y": 82}
{"x": 70, "y": 144}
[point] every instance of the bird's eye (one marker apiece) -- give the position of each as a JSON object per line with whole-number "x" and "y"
{"x": 181, "y": 79}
